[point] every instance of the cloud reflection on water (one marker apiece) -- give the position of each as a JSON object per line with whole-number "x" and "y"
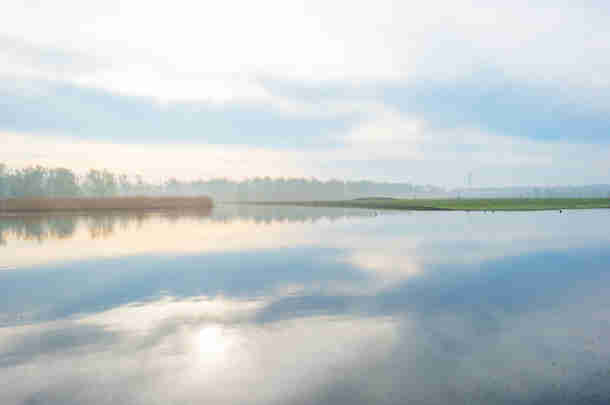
{"x": 420, "y": 308}
{"x": 164, "y": 356}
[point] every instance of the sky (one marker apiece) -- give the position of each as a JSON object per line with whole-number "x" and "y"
{"x": 516, "y": 93}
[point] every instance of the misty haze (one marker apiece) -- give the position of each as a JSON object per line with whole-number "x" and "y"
{"x": 304, "y": 202}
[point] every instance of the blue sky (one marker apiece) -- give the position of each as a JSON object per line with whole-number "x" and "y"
{"x": 516, "y": 93}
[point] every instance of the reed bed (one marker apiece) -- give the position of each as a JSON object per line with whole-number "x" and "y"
{"x": 104, "y": 203}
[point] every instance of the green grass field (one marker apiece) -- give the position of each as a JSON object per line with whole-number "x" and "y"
{"x": 490, "y": 204}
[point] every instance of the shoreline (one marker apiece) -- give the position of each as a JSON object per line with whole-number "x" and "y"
{"x": 88, "y": 204}
{"x": 466, "y": 205}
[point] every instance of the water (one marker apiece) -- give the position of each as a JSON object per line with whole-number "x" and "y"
{"x": 263, "y": 305}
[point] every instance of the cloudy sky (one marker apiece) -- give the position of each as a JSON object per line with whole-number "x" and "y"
{"x": 515, "y": 92}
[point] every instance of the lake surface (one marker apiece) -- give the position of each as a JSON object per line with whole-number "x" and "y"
{"x": 294, "y": 305}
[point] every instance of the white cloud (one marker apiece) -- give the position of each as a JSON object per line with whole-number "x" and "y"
{"x": 218, "y": 50}
{"x": 424, "y": 155}
{"x": 154, "y": 162}
{"x": 222, "y": 52}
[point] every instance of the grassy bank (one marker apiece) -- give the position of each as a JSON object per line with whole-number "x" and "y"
{"x": 491, "y": 204}
{"x": 103, "y": 203}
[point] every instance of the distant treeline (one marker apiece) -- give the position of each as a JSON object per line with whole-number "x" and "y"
{"x": 38, "y": 181}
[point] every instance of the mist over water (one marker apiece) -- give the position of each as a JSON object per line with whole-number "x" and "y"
{"x": 305, "y": 305}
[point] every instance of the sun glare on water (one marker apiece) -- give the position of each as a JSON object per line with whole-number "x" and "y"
{"x": 214, "y": 340}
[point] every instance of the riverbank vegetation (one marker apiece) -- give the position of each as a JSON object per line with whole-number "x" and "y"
{"x": 490, "y": 204}
{"x": 38, "y": 181}
{"x": 103, "y": 203}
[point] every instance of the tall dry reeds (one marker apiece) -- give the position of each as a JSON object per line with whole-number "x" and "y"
{"x": 103, "y": 203}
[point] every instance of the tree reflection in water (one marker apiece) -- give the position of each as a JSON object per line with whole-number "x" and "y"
{"x": 102, "y": 225}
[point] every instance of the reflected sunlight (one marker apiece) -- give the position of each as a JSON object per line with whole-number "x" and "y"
{"x": 215, "y": 340}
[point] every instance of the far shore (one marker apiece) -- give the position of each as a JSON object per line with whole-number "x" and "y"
{"x": 23, "y": 205}
{"x": 456, "y": 204}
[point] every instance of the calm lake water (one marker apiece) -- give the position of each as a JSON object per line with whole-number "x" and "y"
{"x": 289, "y": 305}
